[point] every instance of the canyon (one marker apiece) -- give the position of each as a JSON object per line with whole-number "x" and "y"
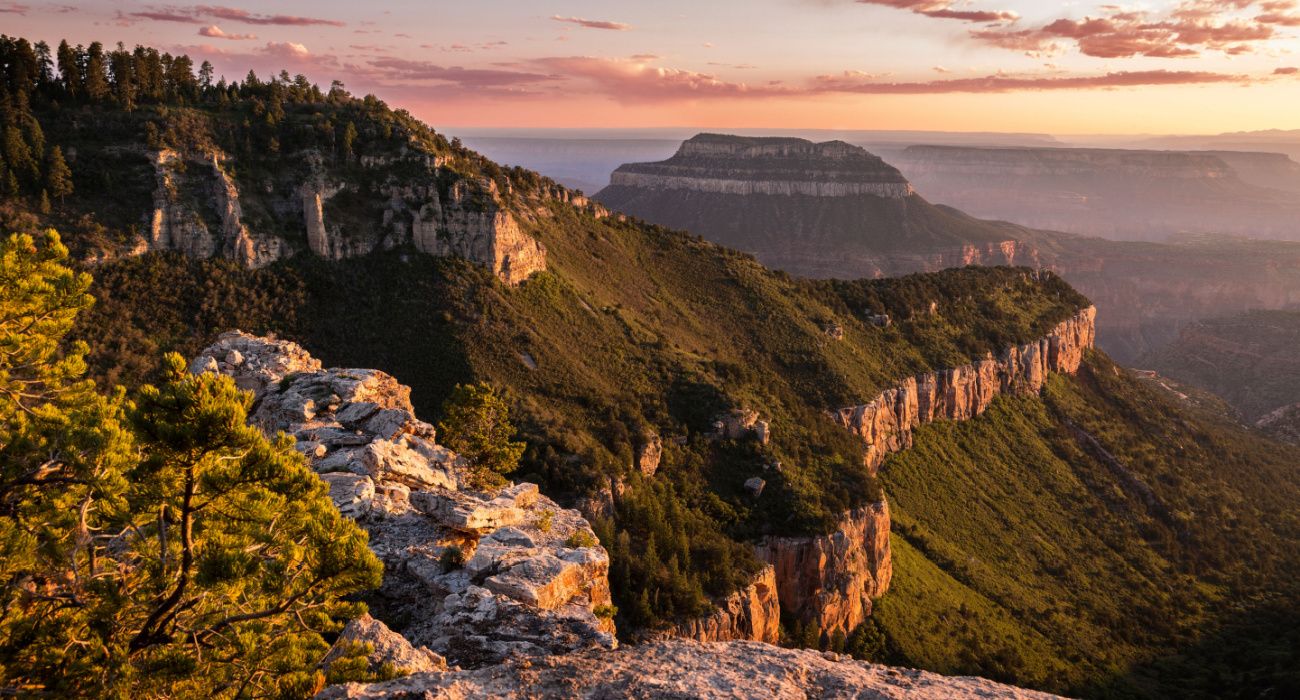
{"x": 830, "y": 581}
{"x": 1146, "y": 290}
{"x": 492, "y": 594}
{"x": 1117, "y": 194}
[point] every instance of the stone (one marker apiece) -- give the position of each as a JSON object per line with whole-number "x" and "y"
{"x": 669, "y": 668}
{"x": 753, "y": 613}
{"x": 754, "y": 486}
{"x": 352, "y": 493}
{"x": 390, "y": 650}
{"x": 649, "y": 453}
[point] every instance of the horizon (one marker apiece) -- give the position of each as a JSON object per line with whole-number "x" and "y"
{"x": 1186, "y": 67}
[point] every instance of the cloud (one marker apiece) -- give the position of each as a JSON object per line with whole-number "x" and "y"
{"x": 411, "y": 70}
{"x": 593, "y": 23}
{"x": 943, "y": 9}
{"x": 1287, "y": 70}
{"x": 1189, "y": 28}
{"x": 286, "y": 50}
{"x": 13, "y": 8}
{"x": 631, "y": 80}
{"x": 1031, "y": 83}
{"x": 232, "y": 14}
{"x": 215, "y": 32}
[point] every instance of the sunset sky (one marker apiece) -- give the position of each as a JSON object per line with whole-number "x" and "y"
{"x": 1182, "y": 66}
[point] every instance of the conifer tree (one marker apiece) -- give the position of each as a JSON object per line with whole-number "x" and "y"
{"x": 476, "y": 424}
{"x": 58, "y": 177}
{"x": 161, "y": 548}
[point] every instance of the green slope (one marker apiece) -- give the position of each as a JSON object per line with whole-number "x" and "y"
{"x": 1084, "y": 536}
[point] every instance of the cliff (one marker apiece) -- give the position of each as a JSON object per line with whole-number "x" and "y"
{"x": 767, "y": 166}
{"x": 886, "y": 423}
{"x": 818, "y": 210}
{"x": 197, "y": 211}
{"x": 474, "y": 577}
{"x": 752, "y": 613}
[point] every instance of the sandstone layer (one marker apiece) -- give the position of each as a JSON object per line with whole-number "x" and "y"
{"x": 753, "y": 613}
{"x": 886, "y": 423}
{"x": 473, "y": 576}
{"x": 684, "y": 669}
{"x": 197, "y": 210}
{"x": 768, "y": 166}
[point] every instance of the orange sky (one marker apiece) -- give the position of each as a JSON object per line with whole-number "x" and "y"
{"x": 1171, "y": 66}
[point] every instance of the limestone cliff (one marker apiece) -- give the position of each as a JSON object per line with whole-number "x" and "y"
{"x": 475, "y": 577}
{"x": 886, "y": 423}
{"x": 753, "y": 613}
{"x": 830, "y": 580}
{"x": 817, "y": 210}
{"x": 768, "y": 166}
{"x": 198, "y": 211}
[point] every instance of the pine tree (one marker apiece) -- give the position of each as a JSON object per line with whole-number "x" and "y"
{"x": 63, "y": 451}
{"x": 58, "y": 177}
{"x": 349, "y": 138}
{"x": 157, "y": 549}
{"x": 476, "y": 424}
{"x": 44, "y": 205}
{"x": 247, "y": 556}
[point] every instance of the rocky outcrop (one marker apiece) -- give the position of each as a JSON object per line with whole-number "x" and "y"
{"x": 685, "y": 669}
{"x": 388, "y": 650}
{"x": 768, "y": 166}
{"x": 830, "y": 580}
{"x": 473, "y": 576}
{"x": 886, "y": 423}
{"x": 752, "y": 613}
{"x": 197, "y": 210}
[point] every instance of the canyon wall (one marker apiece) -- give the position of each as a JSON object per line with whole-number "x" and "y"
{"x": 961, "y": 393}
{"x": 197, "y": 210}
{"x": 752, "y": 613}
{"x": 767, "y": 166}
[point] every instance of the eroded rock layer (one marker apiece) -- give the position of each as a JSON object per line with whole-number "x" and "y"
{"x": 886, "y": 423}
{"x": 197, "y": 211}
{"x": 473, "y": 576}
{"x": 771, "y": 166}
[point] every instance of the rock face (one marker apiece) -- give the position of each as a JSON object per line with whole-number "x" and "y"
{"x": 197, "y": 210}
{"x": 684, "y": 669}
{"x": 473, "y": 576}
{"x": 886, "y": 423}
{"x": 753, "y": 613}
{"x": 769, "y": 166}
{"x": 816, "y": 210}
{"x": 388, "y": 649}
{"x": 830, "y": 580}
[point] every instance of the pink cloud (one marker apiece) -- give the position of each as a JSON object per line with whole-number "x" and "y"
{"x": 943, "y": 9}
{"x": 13, "y": 8}
{"x": 215, "y": 32}
{"x": 593, "y": 23}
{"x": 1189, "y": 28}
{"x": 232, "y": 14}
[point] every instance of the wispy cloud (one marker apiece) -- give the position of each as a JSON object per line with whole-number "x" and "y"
{"x": 232, "y": 14}
{"x": 13, "y": 8}
{"x": 593, "y": 23}
{"x": 945, "y": 9}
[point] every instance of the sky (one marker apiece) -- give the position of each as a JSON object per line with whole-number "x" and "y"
{"x": 1074, "y": 67}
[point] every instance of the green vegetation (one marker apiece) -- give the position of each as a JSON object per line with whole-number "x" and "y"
{"x": 1078, "y": 542}
{"x": 476, "y": 425}
{"x": 1070, "y": 543}
{"x": 158, "y": 546}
